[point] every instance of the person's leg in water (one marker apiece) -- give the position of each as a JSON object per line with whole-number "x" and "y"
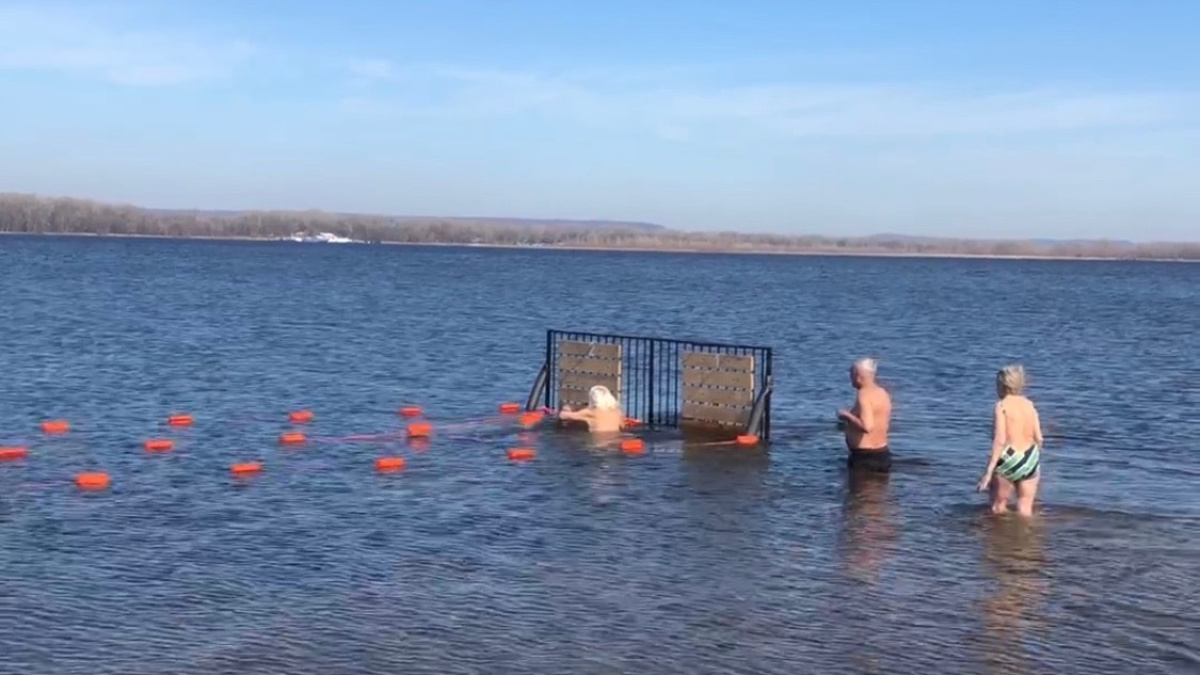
{"x": 1001, "y": 492}
{"x": 1026, "y": 493}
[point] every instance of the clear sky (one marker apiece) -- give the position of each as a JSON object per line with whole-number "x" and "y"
{"x": 974, "y": 118}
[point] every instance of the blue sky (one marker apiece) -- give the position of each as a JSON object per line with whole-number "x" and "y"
{"x": 1004, "y": 118}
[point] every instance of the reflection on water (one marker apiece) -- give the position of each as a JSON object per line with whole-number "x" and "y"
{"x": 868, "y": 532}
{"x": 683, "y": 559}
{"x": 1014, "y": 608}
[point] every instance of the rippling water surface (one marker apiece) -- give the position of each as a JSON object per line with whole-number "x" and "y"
{"x": 697, "y": 561}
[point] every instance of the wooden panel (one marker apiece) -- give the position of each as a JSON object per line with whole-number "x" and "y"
{"x": 718, "y": 361}
{"x": 739, "y": 416}
{"x": 583, "y": 365}
{"x": 576, "y": 398}
{"x": 592, "y": 349}
{"x": 710, "y": 396}
{"x": 588, "y": 364}
{"x": 585, "y": 381}
{"x": 718, "y": 378}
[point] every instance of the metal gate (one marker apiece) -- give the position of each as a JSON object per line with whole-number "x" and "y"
{"x": 661, "y": 382}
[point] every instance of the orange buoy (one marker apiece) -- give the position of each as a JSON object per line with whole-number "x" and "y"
{"x": 11, "y": 454}
{"x": 632, "y": 422}
{"x": 159, "y": 445}
{"x": 410, "y": 411}
{"x": 531, "y": 419}
{"x": 93, "y": 480}
{"x": 389, "y": 464}
{"x": 56, "y": 426}
{"x": 292, "y": 438}
{"x": 300, "y": 417}
{"x": 245, "y": 468}
{"x": 632, "y": 446}
{"x": 180, "y": 421}
{"x": 420, "y": 430}
{"x": 747, "y": 439}
{"x": 519, "y": 454}
{"x": 510, "y": 408}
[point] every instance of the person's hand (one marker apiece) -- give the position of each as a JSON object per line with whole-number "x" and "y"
{"x": 843, "y": 414}
{"x": 985, "y": 482}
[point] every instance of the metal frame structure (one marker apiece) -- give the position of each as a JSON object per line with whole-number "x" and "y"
{"x": 659, "y": 381}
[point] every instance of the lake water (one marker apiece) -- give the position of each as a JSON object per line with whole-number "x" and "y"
{"x": 714, "y": 560}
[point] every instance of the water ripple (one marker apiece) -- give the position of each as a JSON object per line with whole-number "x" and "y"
{"x": 679, "y": 561}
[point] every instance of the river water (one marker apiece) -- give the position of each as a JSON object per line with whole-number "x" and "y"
{"x": 709, "y": 560}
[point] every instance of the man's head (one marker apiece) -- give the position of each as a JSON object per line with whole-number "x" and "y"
{"x": 862, "y": 372}
{"x": 601, "y": 398}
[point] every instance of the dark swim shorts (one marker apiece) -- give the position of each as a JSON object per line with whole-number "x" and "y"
{"x": 874, "y": 461}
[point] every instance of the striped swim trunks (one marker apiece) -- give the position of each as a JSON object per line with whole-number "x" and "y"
{"x": 1017, "y": 466}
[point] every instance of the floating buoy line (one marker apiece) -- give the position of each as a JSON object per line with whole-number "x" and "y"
{"x": 417, "y": 431}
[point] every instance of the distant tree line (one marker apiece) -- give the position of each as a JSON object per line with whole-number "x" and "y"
{"x": 40, "y": 215}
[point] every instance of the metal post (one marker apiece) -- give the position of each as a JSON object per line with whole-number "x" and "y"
{"x": 651, "y": 389}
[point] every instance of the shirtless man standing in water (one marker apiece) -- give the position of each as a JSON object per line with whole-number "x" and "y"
{"x": 867, "y": 422}
{"x": 603, "y": 414}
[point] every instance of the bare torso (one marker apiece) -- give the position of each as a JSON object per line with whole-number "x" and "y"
{"x": 1022, "y": 428}
{"x": 872, "y": 403}
{"x": 598, "y": 421}
{"x": 605, "y": 421}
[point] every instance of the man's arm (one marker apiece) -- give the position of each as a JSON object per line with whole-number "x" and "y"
{"x": 581, "y": 416}
{"x": 867, "y": 420}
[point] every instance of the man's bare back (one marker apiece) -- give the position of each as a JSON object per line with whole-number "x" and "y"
{"x": 598, "y": 421}
{"x": 868, "y": 421}
{"x": 873, "y": 410}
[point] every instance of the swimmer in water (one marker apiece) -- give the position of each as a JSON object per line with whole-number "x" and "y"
{"x": 866, "y": 424}
{"x": 1016, "y": 445}
{"x": 603, "y": 414}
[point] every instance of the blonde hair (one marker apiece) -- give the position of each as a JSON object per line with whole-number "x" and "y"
{"x": 600, "y": 398}
{"x": 1010, "y": 379}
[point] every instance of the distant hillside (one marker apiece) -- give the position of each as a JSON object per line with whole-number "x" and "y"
{"x": 465, "y": 221}
{"x": 40, "y": 215}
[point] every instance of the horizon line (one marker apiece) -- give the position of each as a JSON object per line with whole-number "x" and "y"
{"x": 598, "y": 221}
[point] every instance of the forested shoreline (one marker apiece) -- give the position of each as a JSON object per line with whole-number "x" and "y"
{"x": 28, "y": 214}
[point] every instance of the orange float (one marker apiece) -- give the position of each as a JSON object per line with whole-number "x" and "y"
{"x": 12, "y": 454}
{"x": 56, "y": 426}
{"x": 292, "y": 438}
{"x": 159, "y": 445}
{"x": 746, "y": 440}
{"x": 633, "y": 446}
{"x": 510, "y": 408}
{"x": 300, "y": 417}
{"x": 410, "y": 411}
{"x": 531, "y": 419}
{"x": 420, "y": 430}
{"x": 389, "y": 464}
{"x": 245, "y": 468}
{"x": 521, "y": 454}
{"x": 180, "y": 421}
{"x": 92, "y": 480}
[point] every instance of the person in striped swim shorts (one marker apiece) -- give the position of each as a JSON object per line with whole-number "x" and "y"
{"x": 1016, "y": 445}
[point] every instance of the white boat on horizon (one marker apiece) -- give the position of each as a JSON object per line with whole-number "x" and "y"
{"x": 322, "y": 238}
